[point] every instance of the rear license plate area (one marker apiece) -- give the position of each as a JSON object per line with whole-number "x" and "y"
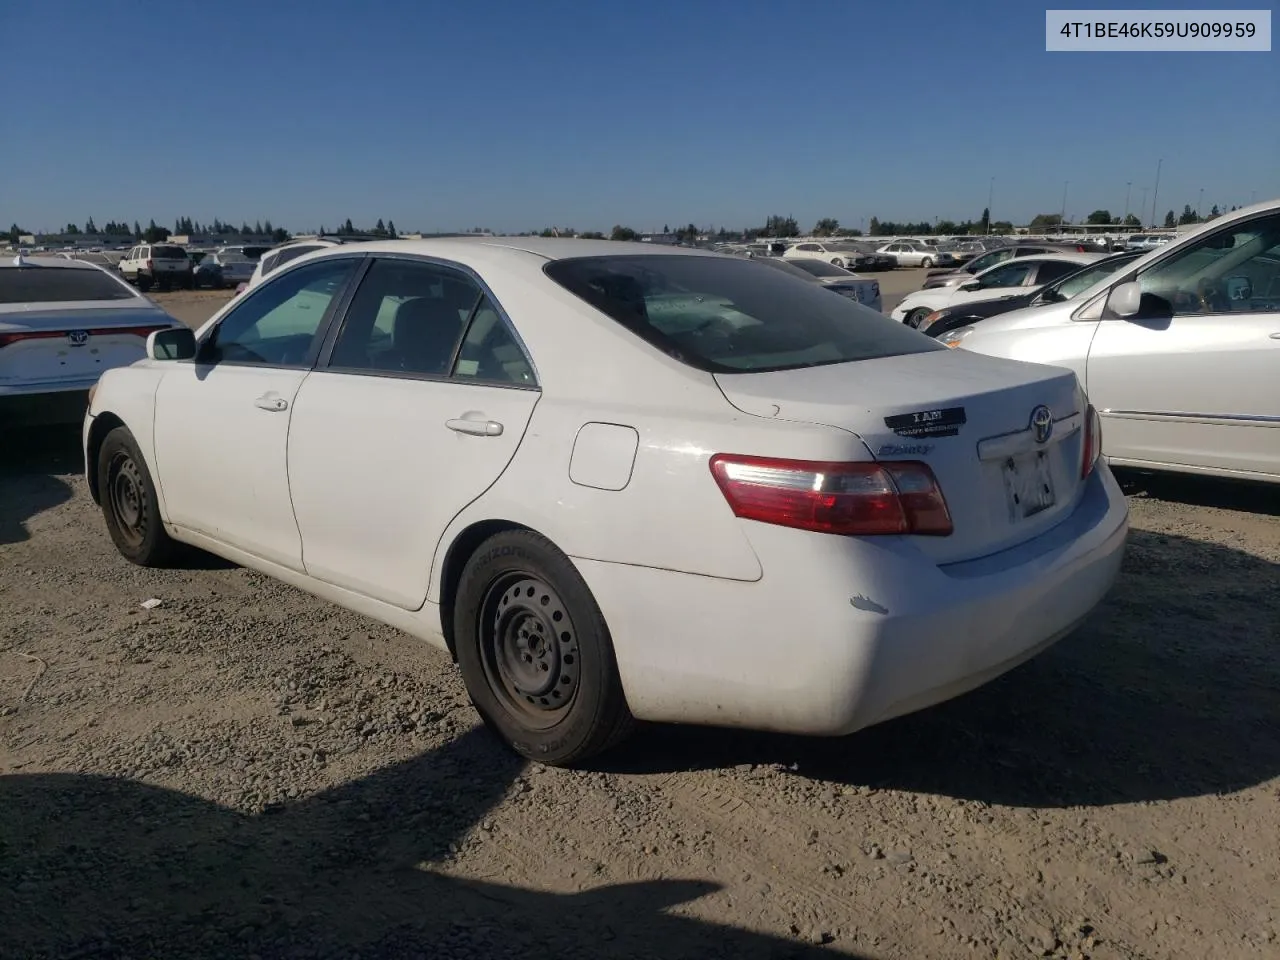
{"x": 1028, "y": 484}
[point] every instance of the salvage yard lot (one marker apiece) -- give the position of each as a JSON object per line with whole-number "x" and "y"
{"x": 244, "y": 770}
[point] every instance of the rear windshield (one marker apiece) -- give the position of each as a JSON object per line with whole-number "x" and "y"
{"x": 58, "y": 284}
{"x": 168, "y": 253}
{"x": 730, "y": 315}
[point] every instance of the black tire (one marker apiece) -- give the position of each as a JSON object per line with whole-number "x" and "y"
{"x": 916, "y": 317}
{"x": 129, "y": 502}
{"x": 926, "y": 263}
{"x": 144, "y": 282}
{"x": 535, "y": 652}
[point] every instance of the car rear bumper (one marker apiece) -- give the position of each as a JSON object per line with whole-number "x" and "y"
{"x": 44, "y": 407}
{"x": 840, "y": 634}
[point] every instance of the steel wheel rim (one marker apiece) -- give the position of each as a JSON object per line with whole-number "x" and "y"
{"x": 128, "y": 497}
{"x": 529, "y": 649}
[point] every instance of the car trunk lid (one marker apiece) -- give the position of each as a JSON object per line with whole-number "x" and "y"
{"x": 972, "y": 423}
{"x": 53, "y": 345}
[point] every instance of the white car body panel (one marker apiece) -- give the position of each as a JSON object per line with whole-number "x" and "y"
{"x": 609, "y": 459}
{"x": 1192, "y": 393}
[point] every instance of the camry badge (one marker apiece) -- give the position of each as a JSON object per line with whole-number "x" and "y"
{"x": 78, "y": 338}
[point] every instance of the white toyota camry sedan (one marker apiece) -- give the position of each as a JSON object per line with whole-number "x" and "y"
{"x": 621, "y": 482}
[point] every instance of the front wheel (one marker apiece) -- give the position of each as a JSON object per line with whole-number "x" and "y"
{"x": 926, "y": 263}
{"x": 129, "y": 502}
{"x": 535, "y": 652}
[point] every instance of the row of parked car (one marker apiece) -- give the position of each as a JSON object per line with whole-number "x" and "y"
{"x": 1176, "y": 342}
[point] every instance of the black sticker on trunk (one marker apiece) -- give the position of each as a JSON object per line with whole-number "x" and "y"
{"x": 927, "y": 423}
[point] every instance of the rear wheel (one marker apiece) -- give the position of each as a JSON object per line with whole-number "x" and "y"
{"x": 926, "y": 263}
{"x": 129, "y": 502}
{"x": 144, "y": 282}
{"x": 535, "y": 652}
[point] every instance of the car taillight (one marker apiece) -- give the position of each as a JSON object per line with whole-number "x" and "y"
{"x": 853, "y": 499}
{"x": 8, "y": 338}
{"x": 1092, "y": 441}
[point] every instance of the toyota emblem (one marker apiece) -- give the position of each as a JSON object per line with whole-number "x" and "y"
{"x": 78, "y": 338}
{"x": 1042, "y": 423}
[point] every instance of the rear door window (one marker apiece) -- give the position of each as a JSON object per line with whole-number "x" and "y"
{"x": 168, "y": 253}
{"x": 727, "y": 315}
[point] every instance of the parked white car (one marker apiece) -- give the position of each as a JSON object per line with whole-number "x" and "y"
{"x": 917, "y": 253}
{"x": 611, "y": 479}
{"x": 64, "y": 322}
{"x": 1004, "y": 279}
{"x": 1180, "y": 351}
{"x": 836, "y": 279}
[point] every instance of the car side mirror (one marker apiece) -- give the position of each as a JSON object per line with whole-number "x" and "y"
{"x": 178, "y": 343}
{"x": 1126, "y": 299}
{"x": 971, "y": 285}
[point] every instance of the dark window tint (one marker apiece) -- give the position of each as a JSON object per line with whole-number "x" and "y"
{"x": 728, "y": 315}
{"x": 489, "y": 351}
{"x": 1009, "y": 275}
{"x": 407, "y": 317}
{"x": 58, "y": 284}
{"x": 278, "y": 322}
{"x": 284, "y": 256}
{"x": 168, "y": 253}
{"x": 1054, "y": 270}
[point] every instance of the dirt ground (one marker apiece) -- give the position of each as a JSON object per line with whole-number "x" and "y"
{"x": 245, "y": 771}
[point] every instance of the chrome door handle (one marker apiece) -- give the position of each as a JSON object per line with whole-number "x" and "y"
{"x": 1276, "y": 336}
{"x": 274, "y": 404}
{"x": 475, "y": 428}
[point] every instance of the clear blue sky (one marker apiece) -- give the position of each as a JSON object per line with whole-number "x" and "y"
{"x": 518, "y": 115}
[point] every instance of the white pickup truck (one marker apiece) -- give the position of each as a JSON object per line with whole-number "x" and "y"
{"x": 160, "y": 265}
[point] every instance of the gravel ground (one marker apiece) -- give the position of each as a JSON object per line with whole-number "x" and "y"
{"x": 245, "y": 771}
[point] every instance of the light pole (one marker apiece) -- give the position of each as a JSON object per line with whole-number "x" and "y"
{"x": 1128, "y": 189}
{"x": 1062, "y": 218}
{"x": 1144, "y": 205}
{"x": 991, "y": 189}
{"x": 1199, "y": 202}
{"x": 1155, "y": 191}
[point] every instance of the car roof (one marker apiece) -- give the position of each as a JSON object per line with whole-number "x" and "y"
{"x": 62, "y": 263}
{"x": 548, "y": 248}
{"x": 1083, "y": 259}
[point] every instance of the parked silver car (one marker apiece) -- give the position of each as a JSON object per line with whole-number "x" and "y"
{"x": 1179, "y": 351}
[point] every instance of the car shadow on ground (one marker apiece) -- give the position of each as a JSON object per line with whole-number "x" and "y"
{"x": 1171, "y": 689}
{"x": 100, "y": 867}
{"x": 1260, "y": 498}
{"x": 33, "y": 464}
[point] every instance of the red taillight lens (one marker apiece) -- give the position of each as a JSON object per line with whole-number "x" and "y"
{"x": 853, "y": 499}
{"x": 1092, "y": 441}
{"x": 143, "y": 332}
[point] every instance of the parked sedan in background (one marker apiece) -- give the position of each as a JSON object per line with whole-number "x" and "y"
{"x": 63, "y": 322}
{"x": 841, "y": 253}
{"x": 218, "y": 270}
{"x": 1003, "y": 280}
{"x": 964, "y": 314}
{"x": 971, "y": 268}
{"x": 1180, "y": 351}
{"x": 839, "y": 280}
{"x": 914, "y": 253}
{"x": 742, "y": 444}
